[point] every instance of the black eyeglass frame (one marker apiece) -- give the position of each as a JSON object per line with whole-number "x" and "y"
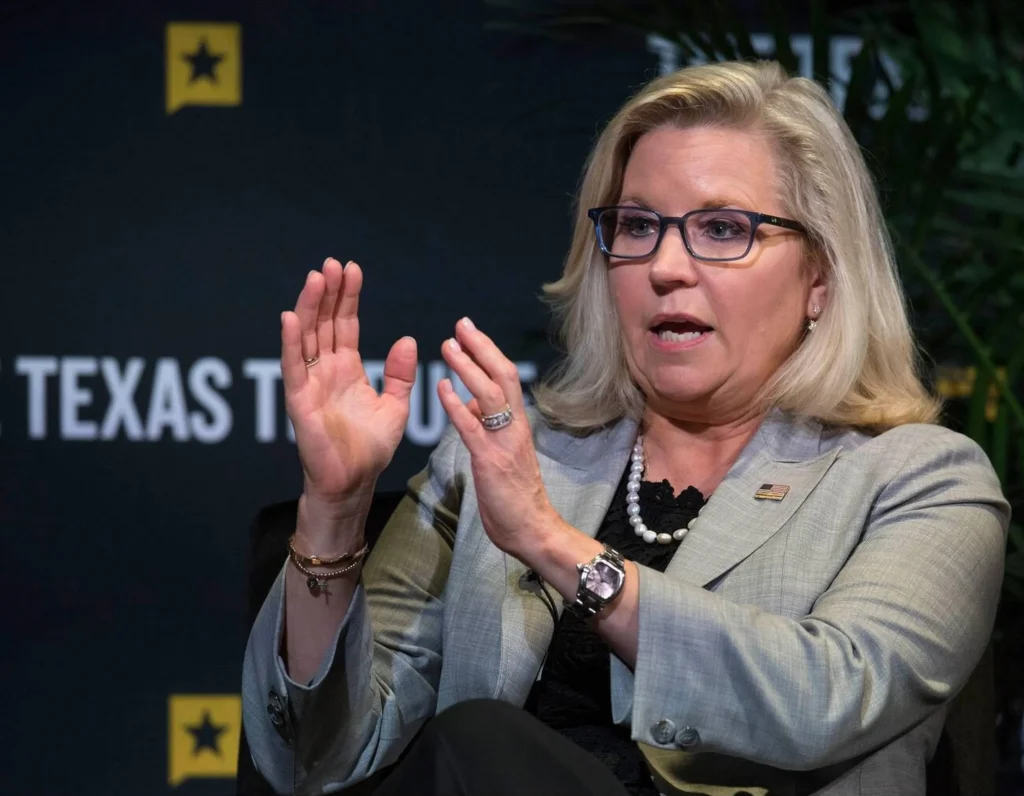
{"x": 664, "y": 222}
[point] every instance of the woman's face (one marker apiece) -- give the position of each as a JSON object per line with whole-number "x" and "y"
{"x": 750, "y": 313}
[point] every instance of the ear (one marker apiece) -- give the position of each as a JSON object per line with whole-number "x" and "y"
{"x": 818, "y": 294}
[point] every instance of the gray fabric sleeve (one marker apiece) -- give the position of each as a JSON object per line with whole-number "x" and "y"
{"x": 896, "y": 634}
{"x": 378, "y": 681}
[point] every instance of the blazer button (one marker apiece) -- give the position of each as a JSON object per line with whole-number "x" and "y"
{"x": 278, "y": 713}
{"x": 687, "y": 738}
{"x": 663, "y": 730}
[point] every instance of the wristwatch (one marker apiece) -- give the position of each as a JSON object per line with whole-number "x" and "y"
{"x": 601, "y": 580}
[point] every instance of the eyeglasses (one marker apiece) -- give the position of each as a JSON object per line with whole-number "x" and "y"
{"x": 720, "y": 235}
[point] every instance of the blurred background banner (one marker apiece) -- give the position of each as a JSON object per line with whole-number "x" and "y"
{"x": 172, "y": 170}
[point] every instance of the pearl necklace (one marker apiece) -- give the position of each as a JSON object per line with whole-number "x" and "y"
{"x": 636, "y": 471}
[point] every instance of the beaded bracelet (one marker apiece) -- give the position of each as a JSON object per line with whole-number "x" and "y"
{"x": 318, "y": 580}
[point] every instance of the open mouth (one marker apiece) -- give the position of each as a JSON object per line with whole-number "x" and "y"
{"x": 680, "y": 331}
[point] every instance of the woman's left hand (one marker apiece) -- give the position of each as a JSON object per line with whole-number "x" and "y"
{"x": 512, "y": 501}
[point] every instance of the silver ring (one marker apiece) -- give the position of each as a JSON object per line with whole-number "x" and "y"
{"x": 498, "y": 420}
{"x": 311, "y": 361}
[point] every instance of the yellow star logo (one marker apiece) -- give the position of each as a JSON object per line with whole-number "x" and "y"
{"x": 204, "y": 731}
{"x": 204, "y": 64}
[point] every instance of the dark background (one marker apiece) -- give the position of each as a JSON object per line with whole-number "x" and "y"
{"x": 404, "y": 135}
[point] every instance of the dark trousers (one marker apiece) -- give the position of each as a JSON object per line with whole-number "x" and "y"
{"x": 486, "y": 747}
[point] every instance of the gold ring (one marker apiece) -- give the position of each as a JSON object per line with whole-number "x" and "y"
{"x": 311, "y": 361}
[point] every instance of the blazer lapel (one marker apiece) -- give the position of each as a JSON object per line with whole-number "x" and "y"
{"x": 580, "y": 475}
{"x": 734, "y": 523}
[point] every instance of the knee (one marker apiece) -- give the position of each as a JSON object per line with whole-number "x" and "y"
{"x": 473, "y": 721}
{"x": 477, "y": 713}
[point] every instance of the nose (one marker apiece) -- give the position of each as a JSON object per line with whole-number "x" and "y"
{"x": 672, "y": 264}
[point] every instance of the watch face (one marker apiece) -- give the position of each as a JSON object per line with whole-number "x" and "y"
{"x": 603, "y": 580}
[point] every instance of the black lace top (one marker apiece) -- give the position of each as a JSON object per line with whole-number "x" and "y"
{"x": 573, "y": 695}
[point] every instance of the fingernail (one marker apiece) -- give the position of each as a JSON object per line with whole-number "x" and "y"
{"x": 453, "y": 344}
{"x": 468, "y": 324}
{"x": 310, "y": 273}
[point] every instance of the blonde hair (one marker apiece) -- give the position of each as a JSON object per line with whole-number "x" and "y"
{"x": 859, "y": 366}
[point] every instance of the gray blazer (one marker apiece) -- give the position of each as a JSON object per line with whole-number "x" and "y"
{"x": 796, "y": 646}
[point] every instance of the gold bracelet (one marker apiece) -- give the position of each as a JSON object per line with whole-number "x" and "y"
{"x": 320, "y": 561}
{"x": 318, "y": 580}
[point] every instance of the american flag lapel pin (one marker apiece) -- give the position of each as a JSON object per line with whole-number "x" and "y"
{"x": 771, "y": 492}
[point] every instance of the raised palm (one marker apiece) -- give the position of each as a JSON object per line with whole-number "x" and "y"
{"x": 345, "y": 432}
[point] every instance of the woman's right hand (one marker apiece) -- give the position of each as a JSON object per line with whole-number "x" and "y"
{"x": 345, "y": 432}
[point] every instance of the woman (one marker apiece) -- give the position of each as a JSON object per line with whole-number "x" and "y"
{"x": 738, "y": 349}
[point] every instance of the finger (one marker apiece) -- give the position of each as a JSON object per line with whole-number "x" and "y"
{"x": 400, "y": 369}
{"x": 346, "y": 315}
{"x": 465, "y": 422}
{"x": 293, "y": 369}
{"x": 306, "y": 308}
{"x": 490, "y": 397}
{"x": 499, "y": 368}
{"x": 328, "y": 303}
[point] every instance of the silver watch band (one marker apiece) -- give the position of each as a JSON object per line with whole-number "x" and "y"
{"x": 588, "y": 604}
